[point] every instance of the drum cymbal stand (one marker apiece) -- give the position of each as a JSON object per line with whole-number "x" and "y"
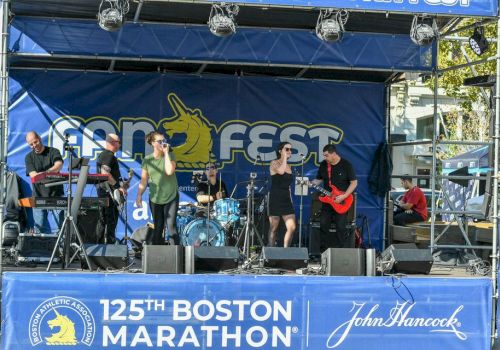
{"x": 249, "y": 229}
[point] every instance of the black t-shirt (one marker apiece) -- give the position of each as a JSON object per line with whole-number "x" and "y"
{"x": 108, "y": 158}
{"x": 204, "y": 187}
{"x": 342, "y": 174}
{"x": 43, "y": 162}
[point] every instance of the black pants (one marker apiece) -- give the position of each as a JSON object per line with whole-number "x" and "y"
{"x": 164, "y": 213}
{"x": 401, "y": 218}
{"x": 342, "y": 237}
{"x": 106, "y": 226}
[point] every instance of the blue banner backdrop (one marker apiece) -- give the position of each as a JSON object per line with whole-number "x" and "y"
{"x": 195, "y": 43}
{"x": 231, "y": 119}
{"x": 243, "y": 312}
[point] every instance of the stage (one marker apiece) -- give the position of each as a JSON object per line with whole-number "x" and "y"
{"x": 244, "y": 309}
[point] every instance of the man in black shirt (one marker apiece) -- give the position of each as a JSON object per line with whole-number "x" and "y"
{"x": 340, "y": 173}
{"x": 213, "y": 190}
{"x": 107, "y": 163}
{"x": 44, "y": 159}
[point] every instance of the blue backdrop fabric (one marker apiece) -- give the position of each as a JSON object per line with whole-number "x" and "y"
{"x": 47, "y": 36}
{"x": 118, "y": 311}
{"x": 232, "y": 120}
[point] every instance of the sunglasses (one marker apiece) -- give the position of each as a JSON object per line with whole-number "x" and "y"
{"x": 287, "y": 148}
{"x": 210, "y": 167}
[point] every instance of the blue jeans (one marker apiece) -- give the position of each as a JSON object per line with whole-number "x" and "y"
{"x": 47, "y": 221}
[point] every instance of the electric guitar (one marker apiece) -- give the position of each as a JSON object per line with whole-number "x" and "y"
{"x": 116, "y": 195}
{"x": 329, "y": 198}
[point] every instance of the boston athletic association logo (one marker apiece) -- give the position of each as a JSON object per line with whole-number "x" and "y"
{"x": 62, "y": 321}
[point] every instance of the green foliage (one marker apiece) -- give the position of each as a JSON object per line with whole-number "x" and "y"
{"x": 470, "y": 119}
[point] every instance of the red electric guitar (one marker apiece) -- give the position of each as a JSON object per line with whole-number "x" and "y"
{"x": 329, "y": 198}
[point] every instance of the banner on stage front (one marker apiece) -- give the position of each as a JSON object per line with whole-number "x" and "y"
{"x": 137, "y": 311}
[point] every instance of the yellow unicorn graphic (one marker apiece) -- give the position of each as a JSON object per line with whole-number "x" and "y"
{"x": 195, "y": 152}
{"x": 66, "y": 334}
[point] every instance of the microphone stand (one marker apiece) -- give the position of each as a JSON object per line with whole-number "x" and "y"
{"x": 301, "y": 205}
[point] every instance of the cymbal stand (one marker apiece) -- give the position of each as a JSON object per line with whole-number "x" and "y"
{"x": 65, "y": 232}
{"x": 249, "y": 227}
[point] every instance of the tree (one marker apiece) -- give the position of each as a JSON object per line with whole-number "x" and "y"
{"x": 471, "y": 119}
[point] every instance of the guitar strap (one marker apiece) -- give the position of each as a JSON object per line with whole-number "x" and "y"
{"x": 329, "y": 173}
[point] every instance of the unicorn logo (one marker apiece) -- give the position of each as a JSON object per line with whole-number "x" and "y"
{"x": 66, "y": 334}
{"x": 196, "y": 150}
{"x": 73, "y": 323}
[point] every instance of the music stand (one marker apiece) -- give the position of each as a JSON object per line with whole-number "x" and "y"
{"x": 65, "y": 232}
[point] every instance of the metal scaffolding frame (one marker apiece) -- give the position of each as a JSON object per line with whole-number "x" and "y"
{"x": 434, "y": 176}
{"x": 5, "y": 6}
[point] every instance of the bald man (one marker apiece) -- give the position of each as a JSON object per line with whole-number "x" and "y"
{"x": 107, "y": 163}
{"x": 41, "y": 159}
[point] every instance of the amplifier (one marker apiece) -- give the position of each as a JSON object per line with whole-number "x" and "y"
{"x": 35, "y": 248}
{"x": 315, "y": 237}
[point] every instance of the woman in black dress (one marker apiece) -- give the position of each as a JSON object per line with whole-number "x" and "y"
{"x": 280, "y": 196}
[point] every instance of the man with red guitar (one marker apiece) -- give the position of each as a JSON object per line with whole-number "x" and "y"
{"x": 338, "y": 176}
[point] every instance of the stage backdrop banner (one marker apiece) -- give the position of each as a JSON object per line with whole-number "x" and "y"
{"x": 238, "y": 122}
{"x": 124, "y": 311}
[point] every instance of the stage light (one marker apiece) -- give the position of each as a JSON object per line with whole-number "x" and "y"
{"x": 221, "y": 21}
{"x": 330, "y": 25}
{"x": 112, "y": 14}
{"x": 478, "y": 42}
{"x": 423, "y": 30}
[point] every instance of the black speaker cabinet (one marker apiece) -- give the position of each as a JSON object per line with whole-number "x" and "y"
{"x": 35, "y": 248}
{"x": 409, "y": 259}
{"x": 163, "y": 259}
{"x": 344, "y": 262}
{"x": 215, "y": 258}
{"x": 315, "y": 238}
{"x": 285, "y": 258}
{"x": 105, "y": 256}
{"x": 141, "y": 235}
{"x": 87, "y": 224}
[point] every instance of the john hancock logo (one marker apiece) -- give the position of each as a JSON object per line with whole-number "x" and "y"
{"x": 62, "y": 321}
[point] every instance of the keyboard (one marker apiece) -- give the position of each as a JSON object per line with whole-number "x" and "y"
{"x": 62, "y": 202}
{"x": 51, "y": 177}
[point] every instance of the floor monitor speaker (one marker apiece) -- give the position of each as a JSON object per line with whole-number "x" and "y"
{"x": 344, "y": 262}
{"x": 208, "y": 258}
{"x": 285, "y": 258}
{"x": 408, "y": 259}
{"x": 105, "y": 256}
{"x": 163, "y": 259}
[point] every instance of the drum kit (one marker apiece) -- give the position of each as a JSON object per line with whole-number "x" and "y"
{"x": 198, "y": 227}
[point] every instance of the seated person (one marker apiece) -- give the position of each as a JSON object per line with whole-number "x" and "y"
{"x": 211, "y": 190}
{"x": 413, "y": 205}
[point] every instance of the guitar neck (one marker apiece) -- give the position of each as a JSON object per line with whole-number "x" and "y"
{"x": 321, "y": 190}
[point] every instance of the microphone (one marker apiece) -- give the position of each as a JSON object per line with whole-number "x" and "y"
{"x": 256, "y": 160}
{"x": 66, "y": 138}
{"x": 302, "y": 155}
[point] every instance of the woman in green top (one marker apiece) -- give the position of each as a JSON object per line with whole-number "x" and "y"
{"x": 159, "y": 169}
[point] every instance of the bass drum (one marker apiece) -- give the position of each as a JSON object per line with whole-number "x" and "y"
{"x": 195, "y": 234}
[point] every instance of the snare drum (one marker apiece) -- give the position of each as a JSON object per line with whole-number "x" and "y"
{"x": 227, "y": 210}
{"x": 186, "y": 209}
{"x": 195, "y": 234}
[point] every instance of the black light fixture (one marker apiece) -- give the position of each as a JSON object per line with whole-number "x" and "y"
{"x": 330, "y": 24}
{"x": 222, "y": 21}
{"x": 423, "y": 30}
{"x": 478, "y": 42}
{"x": 112, "y": 13}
